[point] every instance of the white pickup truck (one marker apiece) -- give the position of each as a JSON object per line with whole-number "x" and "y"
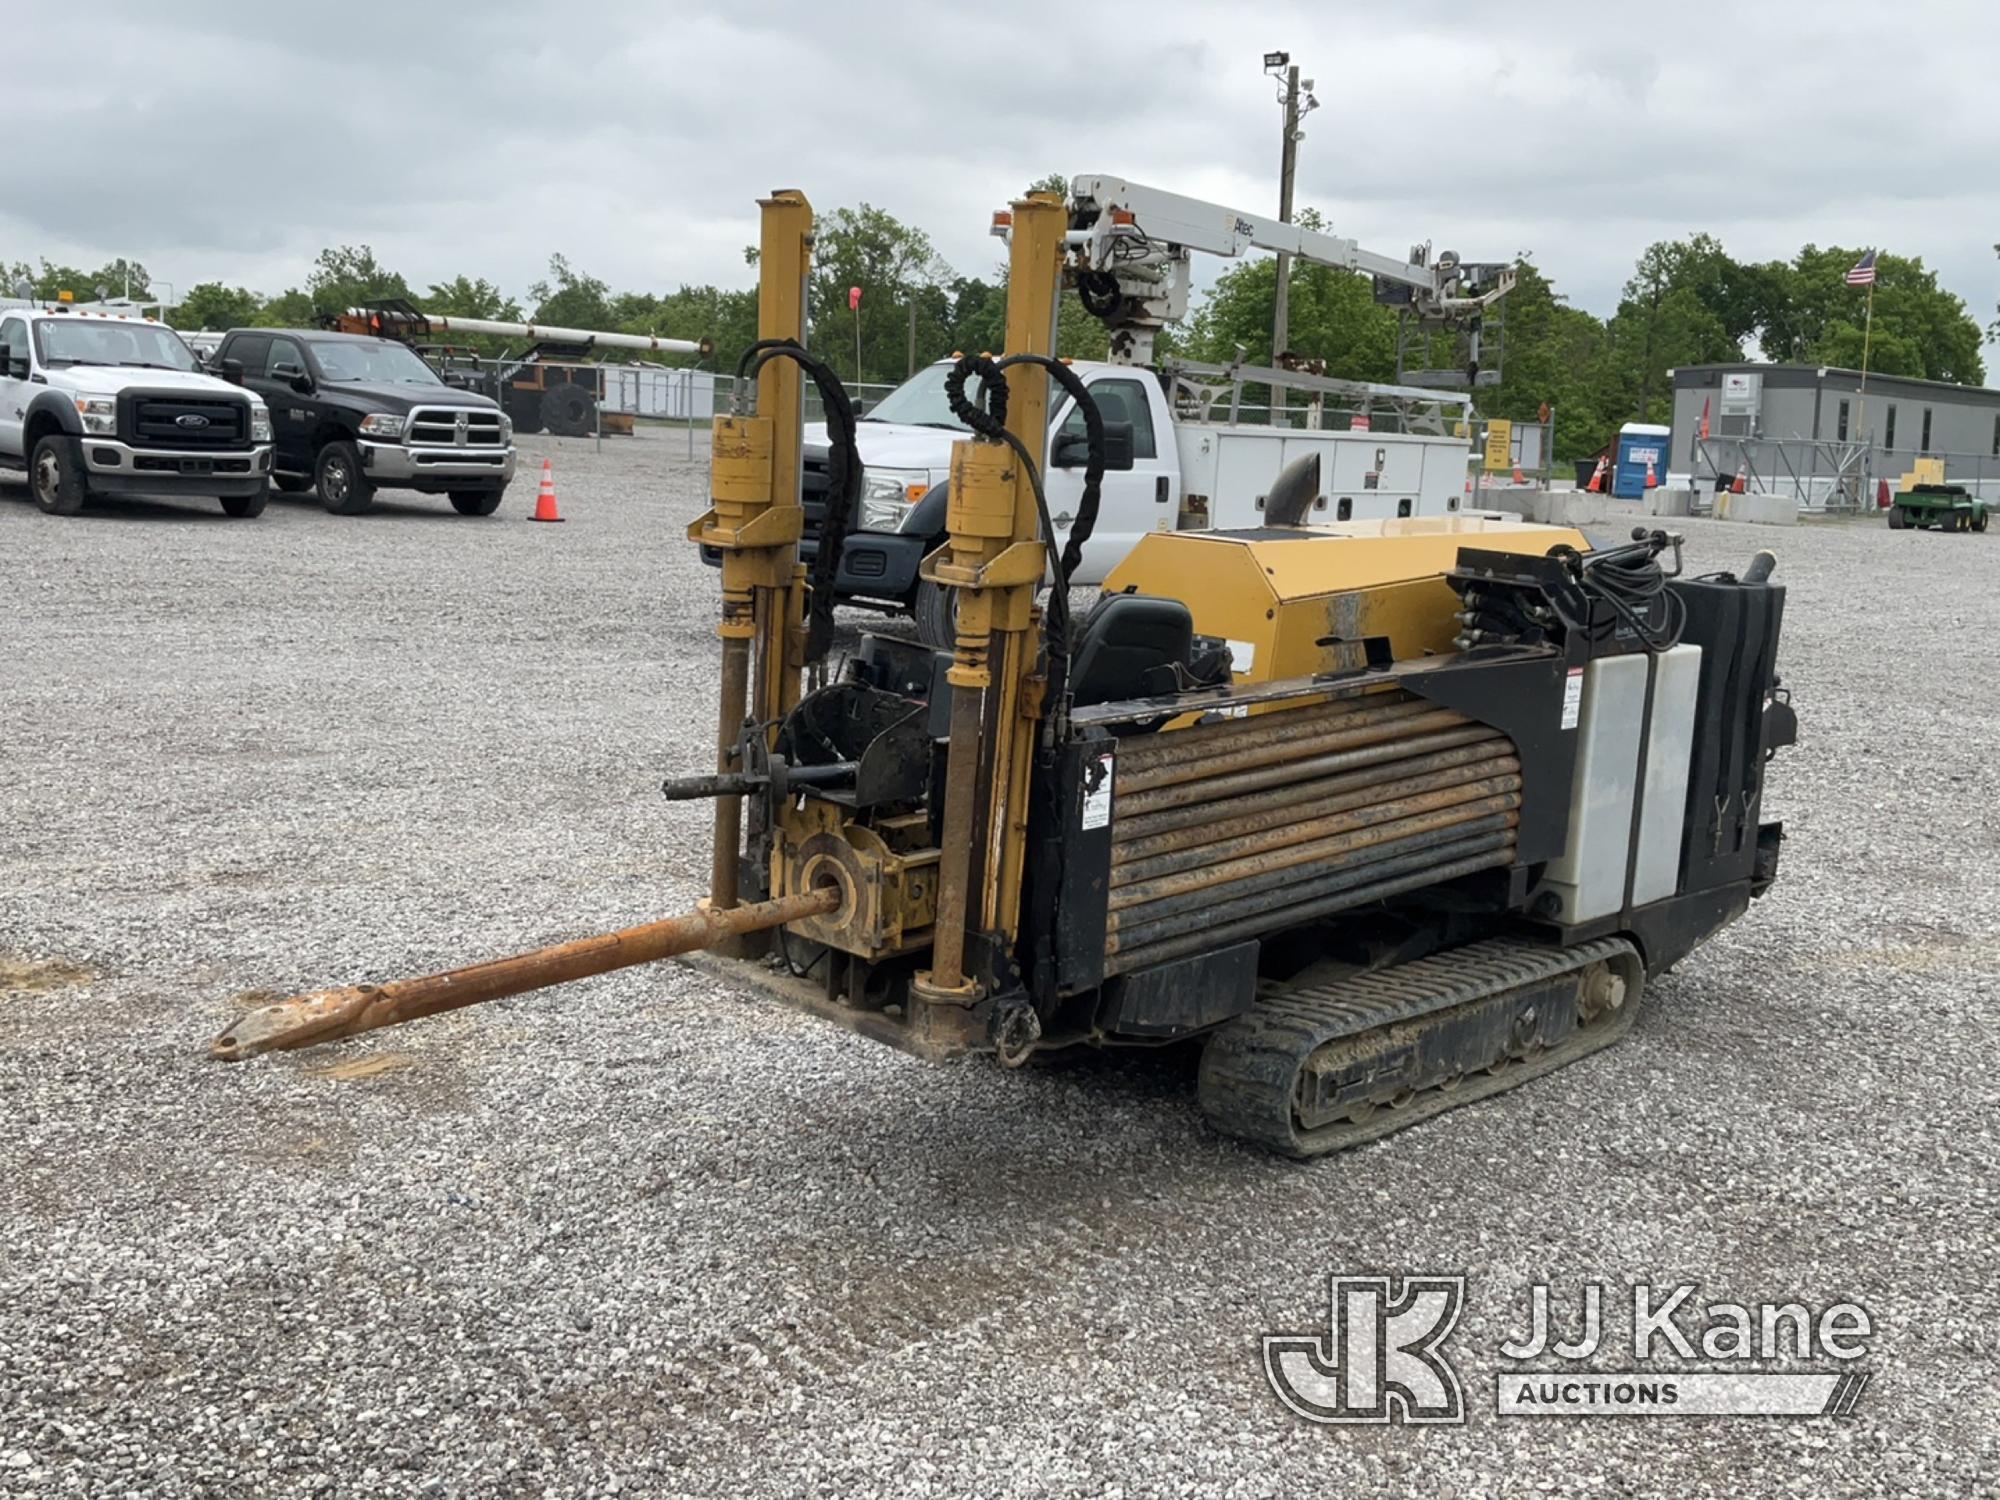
{"x": 97, "y": 403}
{"x": 1187, "y": 474}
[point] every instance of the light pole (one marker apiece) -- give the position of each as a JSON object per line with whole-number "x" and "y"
{"x": 1298, "y": 102}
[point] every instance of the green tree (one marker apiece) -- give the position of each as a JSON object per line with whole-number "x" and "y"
{"x": 1554, "y": 354}
{"x": 895, "y": 265}
{"x": 1333, "y": 316}
{"x": 210, "y": 304}
{"x": 568, "y": 298}
{"x": 471, "y": 297}
{"x": 344, "y": 276}
{"x": 1920, "y": 329}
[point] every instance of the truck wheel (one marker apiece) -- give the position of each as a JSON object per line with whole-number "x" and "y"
{"x": 343, "y": 488}
{"x": 568, "y": 410}
{"x": 56, "y": 474}
{"x": 476, "y": 502}
{"x": 936, "y": 611}
{"x": 1979, "y": 520}
{"x": 245, "y": 506}
{"x": 1897, "y": 520}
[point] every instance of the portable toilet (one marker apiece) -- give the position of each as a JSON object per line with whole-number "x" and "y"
{"x": 1638, "y": 444}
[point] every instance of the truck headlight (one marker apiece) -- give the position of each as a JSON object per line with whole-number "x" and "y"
{"x": 506, "y": 429}
{"x": 382, "y": 425}
{"x": 99, "y": 413}
{"x": 260, "y": 424}
{"x": 886, "y": 499}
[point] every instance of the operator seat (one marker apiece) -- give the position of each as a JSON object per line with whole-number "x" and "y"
{"x": 1131, "y": 646}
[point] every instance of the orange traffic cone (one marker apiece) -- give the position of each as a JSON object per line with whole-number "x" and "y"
{"x": 545, "y": 502}
{"x": 1652, "y": 479}
{"x": 1596, "y": 485}
{"x": 1742, "y": 480}
{"x": 1517, "y": 475}
{"x": 1882, "y": 501}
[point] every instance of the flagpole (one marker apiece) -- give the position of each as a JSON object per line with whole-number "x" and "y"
{"x": 1867, "y": 338}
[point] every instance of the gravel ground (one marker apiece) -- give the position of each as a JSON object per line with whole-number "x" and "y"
{"x": 649, "y": 1236}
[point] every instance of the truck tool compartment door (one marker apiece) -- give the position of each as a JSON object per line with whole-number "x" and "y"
{"x": 1133, "y": 501}
{"x": 14, "y": 388}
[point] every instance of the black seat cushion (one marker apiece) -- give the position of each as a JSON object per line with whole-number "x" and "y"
{"x": 1130, "y": 646}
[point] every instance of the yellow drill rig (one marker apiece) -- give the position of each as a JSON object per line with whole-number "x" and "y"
{"x": 1384, "y": 815}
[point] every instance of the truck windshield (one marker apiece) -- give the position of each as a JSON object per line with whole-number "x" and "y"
{"x": 107, "y": 341}
{"x": 378, "y": 364}
{"x": 919, "y": 401}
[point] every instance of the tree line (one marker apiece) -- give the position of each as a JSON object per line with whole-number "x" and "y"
{"x": 1687, "y": 302}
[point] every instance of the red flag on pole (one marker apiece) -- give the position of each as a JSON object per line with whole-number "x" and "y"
{"x": 1704, "y": 419}
{"x": 854, "y": 299}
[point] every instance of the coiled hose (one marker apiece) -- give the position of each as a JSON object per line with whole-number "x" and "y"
{"x": 1630, "y": 580}
{"x": 843, "y": 482}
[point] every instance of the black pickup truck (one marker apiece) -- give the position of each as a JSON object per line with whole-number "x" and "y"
{"x": 352, "y": 415}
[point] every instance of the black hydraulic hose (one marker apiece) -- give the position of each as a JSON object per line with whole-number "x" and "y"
{"x": 843, "y": 482}
{"x": 1093, "y": 465}
{"x": 988, "y": 419}
{"x": 1630, "y": 580}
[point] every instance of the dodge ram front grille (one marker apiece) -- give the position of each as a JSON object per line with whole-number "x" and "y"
{"x": 453, "y": 427}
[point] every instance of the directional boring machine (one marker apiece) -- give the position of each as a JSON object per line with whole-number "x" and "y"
{"x": 1384, "y": 816}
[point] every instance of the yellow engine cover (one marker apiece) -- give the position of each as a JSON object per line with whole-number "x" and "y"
{"x": 1286, "y": 597}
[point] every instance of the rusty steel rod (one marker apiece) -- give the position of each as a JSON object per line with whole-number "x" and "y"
{"x": 1174, "y": 744}
{"x": 1272, "y": 838}
{"x": 1131, "y": 827}
{"x": 1318, "y": 851}
{"x": 1431, "y": 850}
{"x": 954, "y": 896}
{"x": 329, "y": 1015}
{"x": 1276, "y": 888}
{"x": 733, "y": 708}
{"x": 1363, "y": 728}
{"x": 1275, "y": 810}
{"x": 1215, "y": 937}
{"x": 1240, "y": 782}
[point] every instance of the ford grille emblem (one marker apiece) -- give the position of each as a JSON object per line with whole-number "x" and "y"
{"x": 192, "y": 419}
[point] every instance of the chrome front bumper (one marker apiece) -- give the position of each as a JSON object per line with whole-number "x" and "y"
{"x": 400, "y": 463}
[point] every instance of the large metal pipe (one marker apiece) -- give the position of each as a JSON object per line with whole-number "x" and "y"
{"x": 1274, "y": 887}
{"x": 1272, "y": 840}
{"x": 601, "y": 338}
{"x": 1425, "y": 852}
{"x": 1318, "y": 851}
{"x": 328, "y": 1015}
{"x": 1239, "y": 782}
{"x": 1366, "y": 727}
{"x": 1281, "y": 723}
{"x": 1217, "y": 937}
{"x": 1279, "y": 809}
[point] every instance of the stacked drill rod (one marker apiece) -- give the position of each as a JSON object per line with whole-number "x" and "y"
{"x": 1229, "y": 830}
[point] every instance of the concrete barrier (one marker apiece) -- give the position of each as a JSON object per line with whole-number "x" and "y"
{"x": 1761, "y": 510}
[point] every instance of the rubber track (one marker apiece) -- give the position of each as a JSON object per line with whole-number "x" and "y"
{"x": 1251, "y": 1066}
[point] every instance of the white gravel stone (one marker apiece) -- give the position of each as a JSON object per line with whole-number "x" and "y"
{"x": 650, "y": 1236}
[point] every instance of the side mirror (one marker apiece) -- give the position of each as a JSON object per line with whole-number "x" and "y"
{"x": 231, "y": 370}
{"x": 17, "y": 366}
{"x": 1072, "y": 449}
{"x": 302, "y": 383}
{"x": 293, "y": 376}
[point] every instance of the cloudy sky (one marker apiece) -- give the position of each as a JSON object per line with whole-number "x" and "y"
{"x": 231, "y": 141}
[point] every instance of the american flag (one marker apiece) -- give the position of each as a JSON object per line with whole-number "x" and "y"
{"x": 1863, "y": 271}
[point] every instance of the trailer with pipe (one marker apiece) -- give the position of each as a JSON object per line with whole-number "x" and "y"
{"x": 556, "y": 384}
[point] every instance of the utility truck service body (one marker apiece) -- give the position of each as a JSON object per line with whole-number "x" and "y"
{"x": 1187, "y": 474}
